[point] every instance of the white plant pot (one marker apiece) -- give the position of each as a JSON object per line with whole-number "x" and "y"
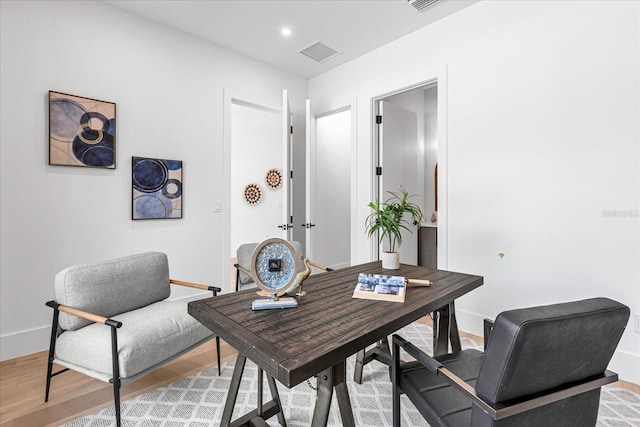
{"x": 390, "y": 260}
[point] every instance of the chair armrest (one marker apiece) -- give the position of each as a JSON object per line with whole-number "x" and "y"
{"x": 320, "y": 266}
{"x": 427, "y": 361}
{"x": 506, "y": 409}
{"x": 244, "y": 270}
{"x": 84, "y": 314}
{"x": 213, "y": 289}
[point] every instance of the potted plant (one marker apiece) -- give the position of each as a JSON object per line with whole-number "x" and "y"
{"x": 390, "y": 218}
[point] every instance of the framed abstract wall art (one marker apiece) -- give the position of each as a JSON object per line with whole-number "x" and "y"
{"x": 82, "y": 131}
{"x": 156, "y": 188}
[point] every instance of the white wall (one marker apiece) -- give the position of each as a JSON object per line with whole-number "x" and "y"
{"x": 542, "y": 148}
{"x": 168, "y": 88}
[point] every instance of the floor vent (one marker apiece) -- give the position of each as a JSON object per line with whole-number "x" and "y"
{"x": 421, "y": 4}
{"x": 319, "y": 52}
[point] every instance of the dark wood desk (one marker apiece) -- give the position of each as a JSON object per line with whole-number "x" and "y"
{"x": 316, "y": 338}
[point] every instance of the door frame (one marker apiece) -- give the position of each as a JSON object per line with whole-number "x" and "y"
{"x": 438, "y": 77}
{"x": 380, "y": 106}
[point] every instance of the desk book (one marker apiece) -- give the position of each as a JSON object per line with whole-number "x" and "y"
{"x": 380, "y": 287}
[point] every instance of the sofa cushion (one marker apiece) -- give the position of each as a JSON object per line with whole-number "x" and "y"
{"x": 112, "y": 287}
{"x": 148, "y": 336}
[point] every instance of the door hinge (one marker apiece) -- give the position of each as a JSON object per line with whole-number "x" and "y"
{"x": 379, "y": 119}
{"x": 291, "y": 174}
{"x": 291, "y": 130}
{"x": 291, "y": 218}
{"x": 378, "y": 170}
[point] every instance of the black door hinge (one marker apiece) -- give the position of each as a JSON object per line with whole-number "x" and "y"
{"x": 379, "y": 119}
{"x": 378, "y": 170}
{"x": 291, "y": 174}
{"x": 291, "y": 130}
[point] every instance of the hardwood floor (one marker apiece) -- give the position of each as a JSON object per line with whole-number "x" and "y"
{"x": 22, "y": 386}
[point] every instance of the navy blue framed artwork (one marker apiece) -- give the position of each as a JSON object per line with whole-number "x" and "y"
{"x": 82, "y": 131}
{"x": 156, "y": 188}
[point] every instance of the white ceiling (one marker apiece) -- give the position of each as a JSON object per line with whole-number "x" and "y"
{"x": 252, "y": 27}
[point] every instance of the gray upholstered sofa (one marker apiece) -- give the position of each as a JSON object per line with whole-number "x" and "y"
{"x": 113, "y": 320}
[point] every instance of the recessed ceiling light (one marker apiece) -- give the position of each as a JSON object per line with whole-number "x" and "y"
{"x": 285, "y": 31}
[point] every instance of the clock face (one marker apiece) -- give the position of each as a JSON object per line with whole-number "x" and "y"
{"x": 274, "y": 265}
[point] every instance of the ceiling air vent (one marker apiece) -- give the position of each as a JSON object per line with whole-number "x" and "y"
{"x": 421, "y": 4}
{"x": 319, "y": 52}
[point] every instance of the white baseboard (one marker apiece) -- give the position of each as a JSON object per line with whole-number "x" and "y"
{"x": 25, "y": 342}
{"x": 339, "y": 266}
{"x": 625, "y": 364}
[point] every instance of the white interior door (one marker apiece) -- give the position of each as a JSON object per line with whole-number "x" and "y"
{"x": 398, "y": 148}
{"x": 310, "y": 199}
{"x": 328, "y": 191}
{"x": 255, "y": 148}
{"x": 287, "y": 136}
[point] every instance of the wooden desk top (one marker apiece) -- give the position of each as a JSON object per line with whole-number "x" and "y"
{"x": 328, "y": 325}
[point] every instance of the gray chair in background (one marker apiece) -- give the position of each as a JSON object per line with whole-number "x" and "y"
{"x": 542, "y": 366}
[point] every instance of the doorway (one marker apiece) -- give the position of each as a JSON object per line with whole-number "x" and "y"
{"x": 407, "y": 152}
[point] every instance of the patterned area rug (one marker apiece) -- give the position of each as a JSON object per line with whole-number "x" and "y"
{"x": 198, "y": 401}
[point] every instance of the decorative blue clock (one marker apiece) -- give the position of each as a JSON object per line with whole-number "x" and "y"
{"x": 274, "y": 264}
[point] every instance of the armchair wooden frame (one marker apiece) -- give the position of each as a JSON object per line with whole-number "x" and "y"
{"x": 114, "y": 325}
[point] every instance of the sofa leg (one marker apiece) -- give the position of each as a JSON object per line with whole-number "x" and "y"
{"x": 218, "y": 352}
{"x": 52, "y": 348}
{"x": 116, "y": 373}
{"x": 116, "y": 400}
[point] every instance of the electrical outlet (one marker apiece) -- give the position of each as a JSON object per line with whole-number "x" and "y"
{"x": 636, "y": 322}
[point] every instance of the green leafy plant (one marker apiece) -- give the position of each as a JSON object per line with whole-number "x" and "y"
{"x": 389, "y": 218}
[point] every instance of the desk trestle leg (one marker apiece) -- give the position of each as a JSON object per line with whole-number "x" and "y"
{"x": 262, "y": 412}
{"x": 445, "y": 330}
{"x": 381, "y": 352}
{"x": 334, "y": 377}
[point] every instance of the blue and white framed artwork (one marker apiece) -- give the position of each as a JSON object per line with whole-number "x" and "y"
{"x": 156, "y": 188}
{"x": 82, "y": 131}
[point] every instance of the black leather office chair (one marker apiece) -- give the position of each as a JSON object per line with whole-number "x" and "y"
{"x": 542, "y": 366}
